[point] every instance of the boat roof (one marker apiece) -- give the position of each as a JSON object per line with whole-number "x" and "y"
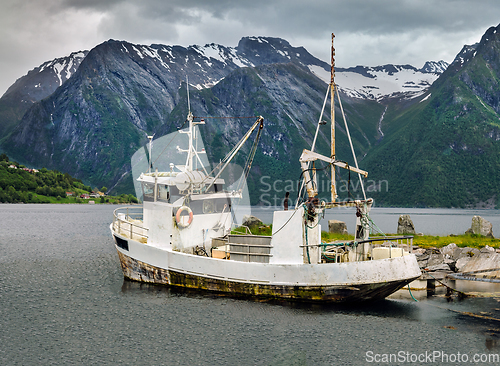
{"x": 168, "y": 178}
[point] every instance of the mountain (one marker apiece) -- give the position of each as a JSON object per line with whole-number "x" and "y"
{"x": 36, "y": 85}
{"x": 92, "y": 124}
{"x": 89, "y": 121}
{"x": 444, "y": 149}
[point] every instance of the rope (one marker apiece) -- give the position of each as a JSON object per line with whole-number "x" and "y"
{"x": 287, "y": 221}
{"x": 445, "y": 285}
{"x": 467, "y": 313}
{"x": 348, "y": 182}
{"x": 368, "y": 219}
{"x": 307, "y": 248}
{"x": 310, "y": 180}
{"x": 411, "y": 293}
{"x": 349, "y": 244}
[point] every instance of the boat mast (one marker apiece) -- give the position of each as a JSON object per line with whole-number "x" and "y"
{"x": 192, "y": 152}
{"x": 332, "y": 117}
{"x": 189, "y": 160}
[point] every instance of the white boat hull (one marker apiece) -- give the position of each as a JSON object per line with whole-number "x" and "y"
{"x": 332, "y": 282}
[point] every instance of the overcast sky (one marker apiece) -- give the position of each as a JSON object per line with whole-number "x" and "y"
{"x": 368, "y": 32}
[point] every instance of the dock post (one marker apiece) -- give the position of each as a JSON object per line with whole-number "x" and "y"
{"x": 431, "y": 286}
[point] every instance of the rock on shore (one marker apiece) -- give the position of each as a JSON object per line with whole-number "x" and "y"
{"x": 481, "y": 226}
{"x": 452, "y": 259}
{"x": 336, "y": 226}
{"x": 251, "y": 222}
{"x": 405, "y": 225}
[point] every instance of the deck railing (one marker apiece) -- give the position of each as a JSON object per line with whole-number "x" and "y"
{"x": 405, "y": 242}
{"x": 387, "y": 247}
{"x": 246, "y": 248}
{"x": 128, "y": 221}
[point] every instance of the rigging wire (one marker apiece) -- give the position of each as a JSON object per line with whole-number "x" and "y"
{"x": 231, "y": 153}
{"x": 230, "y": 117}
{"x": 180, "y": 128}
{"x": 172, "y": 139}
{"x": 350, "y": 140}
{"x": 132, "y": 166}
{"x": 249, "y": 162}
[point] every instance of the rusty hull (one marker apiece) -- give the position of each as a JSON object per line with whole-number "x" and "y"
{"x": 139, "y": 271}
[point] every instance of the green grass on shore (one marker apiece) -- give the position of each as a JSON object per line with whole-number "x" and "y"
{"x": 72, "y": 200}
{"x": 262, "y": 230}
{"x": 474, "y": 241}
{"x": 425, "y": 241}
{"x": 431, "y": 241}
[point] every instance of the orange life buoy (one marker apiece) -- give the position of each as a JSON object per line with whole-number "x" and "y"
{"x": 180, "y": 222}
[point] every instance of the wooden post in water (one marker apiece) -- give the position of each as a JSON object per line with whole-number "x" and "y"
{"x": 431, "y": 286}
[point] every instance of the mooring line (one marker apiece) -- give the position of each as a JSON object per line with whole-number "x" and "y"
{"x": 448, "y": 287}
{"x": 468, "y": 313}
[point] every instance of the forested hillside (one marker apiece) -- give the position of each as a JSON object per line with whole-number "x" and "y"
{"x": 19, "y": 184}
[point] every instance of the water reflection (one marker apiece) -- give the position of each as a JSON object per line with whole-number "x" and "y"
{"x": 480, "y": 315}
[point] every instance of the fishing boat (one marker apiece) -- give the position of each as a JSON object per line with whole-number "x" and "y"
{"x": 183, "y": 234}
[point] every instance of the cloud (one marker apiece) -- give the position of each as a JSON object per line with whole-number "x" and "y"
{"x": 367, "y": 32}
{"x": 32, "y": 32}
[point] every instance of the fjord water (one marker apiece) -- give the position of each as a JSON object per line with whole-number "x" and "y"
{"x": 63, "y": 301}
{"x": 429, "y": 221}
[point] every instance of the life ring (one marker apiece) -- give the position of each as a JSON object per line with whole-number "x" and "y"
{"x": 180, "y": 222}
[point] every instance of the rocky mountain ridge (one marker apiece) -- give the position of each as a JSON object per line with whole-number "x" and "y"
{"x": 36, "y": 85}
{"x": 92, "y": 124}
{"x": 445, "y": 149}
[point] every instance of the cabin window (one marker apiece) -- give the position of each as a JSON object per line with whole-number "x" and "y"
{"x": 163, "y": 193}
{"x": 148, "y": 191}
{"x": 215, "y": 188}
{"x": 174, "y": 193}
{"x": 208, "y": 206}
{"x": 221, "y": 202}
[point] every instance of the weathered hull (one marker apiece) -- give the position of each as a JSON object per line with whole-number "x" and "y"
{"x": 137, "y": 270}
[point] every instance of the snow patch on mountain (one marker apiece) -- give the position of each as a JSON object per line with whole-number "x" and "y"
{"x": 63, "y": 67}
{"x": 465, "y": 55}
{"x": 214, "y": 62}
{"x": 383, "y": 81}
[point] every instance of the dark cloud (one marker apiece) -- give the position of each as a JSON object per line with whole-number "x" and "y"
{"x": 367, "y": 32}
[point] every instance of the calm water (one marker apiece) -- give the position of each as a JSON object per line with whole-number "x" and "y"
{"x": 63, "y": 301}
{"x": 430, "y": 221}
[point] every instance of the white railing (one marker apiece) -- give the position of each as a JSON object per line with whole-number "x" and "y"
{"x": 378, "y": 248}
{"x": 128, "y": 221}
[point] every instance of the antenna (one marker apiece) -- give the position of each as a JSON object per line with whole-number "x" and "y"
{"x": 187, "y": 88}
{"x": 192, "y": 151}
{"x": 150, "y": 148}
